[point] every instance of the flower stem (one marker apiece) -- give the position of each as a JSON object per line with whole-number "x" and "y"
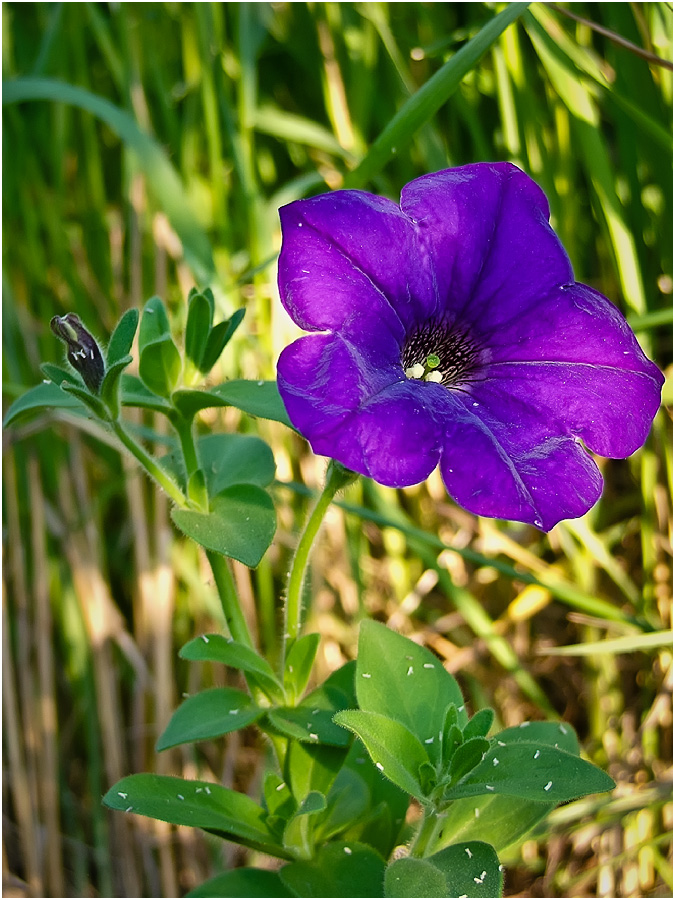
{"x": 229, "y": 599}
{"x": 427, "y": 836}
{"x": 150, "y": 465}
{"x": 336, "y": 477}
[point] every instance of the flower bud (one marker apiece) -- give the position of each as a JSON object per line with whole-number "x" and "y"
{"x": 83, "y": 354}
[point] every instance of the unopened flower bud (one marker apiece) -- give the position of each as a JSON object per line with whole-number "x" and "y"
{"x": 84, "y": 354}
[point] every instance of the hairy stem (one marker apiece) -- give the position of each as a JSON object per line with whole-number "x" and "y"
{"x": 229, "y": 599}
{"x": 151, "y": 466}
{"x": 336, "y": 477}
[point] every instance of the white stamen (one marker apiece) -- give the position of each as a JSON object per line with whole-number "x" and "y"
{"x": 416, "y": 371}
{"x": 436, "y": 377}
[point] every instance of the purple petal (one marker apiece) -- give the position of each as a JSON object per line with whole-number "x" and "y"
{"x": 514, "y": 468}
{"x": 483, "y": 230}
{"x": 350, "y": 257}
{"x": 373, "y": 423}
{"x": 577, "y": 364}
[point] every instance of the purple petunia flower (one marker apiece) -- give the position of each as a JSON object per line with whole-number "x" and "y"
{"x": 450, "y": 330}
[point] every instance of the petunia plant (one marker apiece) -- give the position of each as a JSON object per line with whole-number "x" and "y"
{"x": 445, "y": 331}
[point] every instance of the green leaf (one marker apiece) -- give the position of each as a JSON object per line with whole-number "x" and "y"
{"x": 467, "y": 756}
{"x": 480, "y": 724}
{"x": 339, "y": 869}
{"x": 299, "y": 662}
{"x": 396, "y": 752}
{"x": 452, "y": 736}
{"x": 229, "y": 459}
{"x": 135, "y": 393}
{"x": 217, "y": 648}
{"x": 534, "y": 771}
{"x": 279, "y": 800}
{"x": 197, "y": 327}
{"x": 554, "y": 734}
{"x": 42, "y": 396}
{"x": 89, "y": 400}
{"x": 110, "y": 384}
{"x": 502, "y": 820}
{"x": 310, "y": 767}
{"x": 243, "y": 883}
{"x": 122, "y": 337}
{"x": 381, "y": 827}
{"x": 420, "y": 108}
{"x": 241, "y": 523}
{"x": 306, "y": 724}
{"x": 209, "y": 714}
{"x": 314, "y": 715}
{"x": 399, "y": 679}
{"x": 337, "y": 691}
{"x": 347, "y": 803}
{"x": 463, "y": 870}
{"x": 257, "y": 398}
{"x": 159, "y": 362}
{"x": 219, "y": 338}
{"x": 411, "y": 877}
{"x": 298, "y": 838}
{"x": 154, "y": 323}
{"x": 198, "y": 804}
{"x": 59, "y": 375}
{"x": 160, "y": 366}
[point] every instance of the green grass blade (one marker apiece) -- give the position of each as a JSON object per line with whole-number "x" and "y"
{"x": 429, "y": 99}
{"x": 161, "y": 175}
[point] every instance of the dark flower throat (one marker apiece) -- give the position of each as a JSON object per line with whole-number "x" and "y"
{"x": 457, "y": 353}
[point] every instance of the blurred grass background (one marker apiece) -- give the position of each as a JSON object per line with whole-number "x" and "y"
{"x": 147, "y": 147}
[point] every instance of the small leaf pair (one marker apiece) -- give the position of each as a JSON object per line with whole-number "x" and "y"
{"x": 205, "y": 342}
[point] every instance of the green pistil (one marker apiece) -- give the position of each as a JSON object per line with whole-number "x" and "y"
{"x": 426, "y": 371}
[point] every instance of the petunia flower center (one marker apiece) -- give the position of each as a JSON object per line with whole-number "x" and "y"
{"x": 442, "y": 354}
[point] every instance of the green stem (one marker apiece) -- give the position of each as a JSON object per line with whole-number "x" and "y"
{"x": 427, "y": 835}
{"x": 336, "y": 477}
{"x": 229, "y": 599}
{"x": 150, "y": 465}
{"x": 196, "y": 487}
